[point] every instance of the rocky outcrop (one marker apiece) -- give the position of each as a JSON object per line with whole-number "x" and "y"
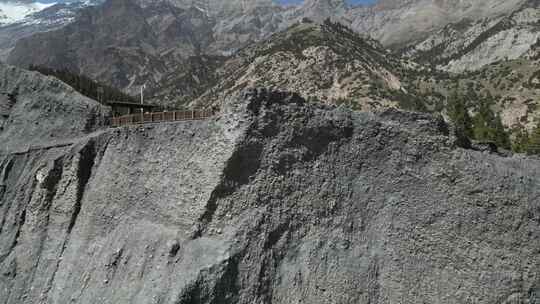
{"x": 274, "y": 201}
{"x": 36, "y": 110}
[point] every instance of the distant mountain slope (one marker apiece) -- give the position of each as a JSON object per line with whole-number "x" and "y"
{"x": 42, "y": 19}
{"x": 16, "y": 11}
{"x": 396, "y": 23}
{"x": 121, "y": 43}
{"x": 86, "y": 86}
{"x": 187, "y": 81}
{"x": 128, "y": 43}
{"x": 321, "y": 62}
{"x": 514, "y": 86}
{"x": 470, "y": 45}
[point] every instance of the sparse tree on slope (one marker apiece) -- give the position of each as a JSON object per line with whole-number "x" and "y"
{"x": 459, "y": 114}
{"x": 488, "y": 126}
{"x": 521, "y": 139}
{"x": 533, "y": 146}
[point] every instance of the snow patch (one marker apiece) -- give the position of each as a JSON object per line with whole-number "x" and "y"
{"x": 12, "y": 12}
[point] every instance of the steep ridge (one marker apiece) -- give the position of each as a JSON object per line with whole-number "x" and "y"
{"x": 277, "y": 200}
{"x": 75, "y": 193}
{"x": 36, "y": 110}
{"x": 322, "y": 62}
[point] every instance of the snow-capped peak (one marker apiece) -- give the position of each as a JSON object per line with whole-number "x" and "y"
{"x": 12, "y": 12}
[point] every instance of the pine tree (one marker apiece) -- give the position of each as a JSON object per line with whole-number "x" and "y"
{"x": 533, "y": 147}
{"x": 500, "y": 136}
{"x": 459, "y": 114}
{"x": 488, "y": 126}
{"x": 521, "y": 139}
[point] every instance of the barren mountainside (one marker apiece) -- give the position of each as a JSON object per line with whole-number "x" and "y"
{"x": 40, "y": 111}
{"x": 273, "y": 201}
{"x": 121, "y": 43}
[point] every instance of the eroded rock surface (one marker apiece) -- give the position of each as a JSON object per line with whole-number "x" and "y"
{"x": 36, "y": 110}
{"x": 274, "y": 201}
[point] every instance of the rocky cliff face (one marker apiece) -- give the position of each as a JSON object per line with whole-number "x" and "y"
{"x": 40, "y": 111}
{"x": 274, "y": 201}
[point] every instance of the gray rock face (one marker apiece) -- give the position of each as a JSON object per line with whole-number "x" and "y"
{"x": 275, "y": 201}
{"x": 36, "y": 110}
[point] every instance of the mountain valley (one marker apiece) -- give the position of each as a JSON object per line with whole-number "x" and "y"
{"x": 158, "y": 36}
